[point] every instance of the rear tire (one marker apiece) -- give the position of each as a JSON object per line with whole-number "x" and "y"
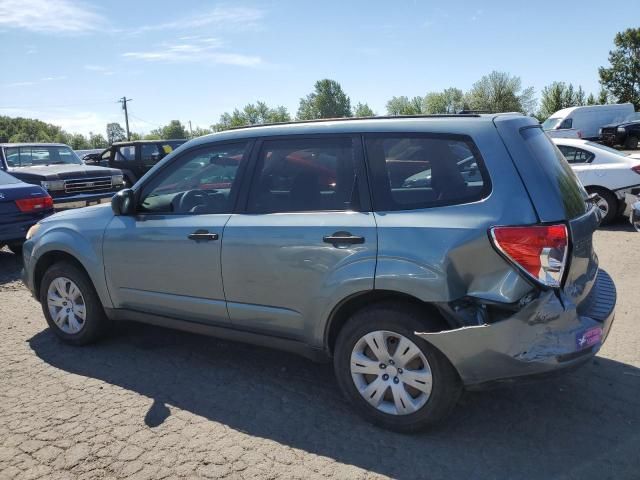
{"x": 425, "y": 406}
{"x": 64, "y": 306}
{"x": 631, "y": 143}
{"x": 608, "y": 205}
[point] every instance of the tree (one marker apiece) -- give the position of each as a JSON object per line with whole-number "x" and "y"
{"x": 451, "y": 100}
{"x": 135, "y": 136}
{"x": 328, "y": 100}
{"x": 30, "y": 130}
{"x": 363, "y": 110}
{"x": 622, "y": 78}
{"x": 97, "y": 141}
{"x": 198, "y": 132}
{"x": 21, "y": 137}
{"x": 115, "y": 133}
{"x": 404, "y": 106}
{"x": 252, "y": 114}
{"x": 591, "y": 100}
{"x": 603, "y": 97}
{"x": 77, "y": 141}
{"x": 175, "y": 129}
{"x": 500, "y": 92}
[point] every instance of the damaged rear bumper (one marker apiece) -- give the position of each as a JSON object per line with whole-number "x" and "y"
{"x": 549, "y": 334}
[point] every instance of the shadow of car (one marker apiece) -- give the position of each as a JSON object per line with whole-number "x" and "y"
{"x": 578, "y": 426}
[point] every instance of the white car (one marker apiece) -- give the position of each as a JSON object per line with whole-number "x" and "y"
{"x": 603, "y": 170}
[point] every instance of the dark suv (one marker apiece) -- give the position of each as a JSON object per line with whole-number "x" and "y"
{"x": 134, "y": 158}
{"x": 626, "y": 134}
{"x": 422, "y": 255}
{"x": 57, "y": 168}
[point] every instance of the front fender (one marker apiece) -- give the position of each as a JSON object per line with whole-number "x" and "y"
{"x": 85, "y": 249}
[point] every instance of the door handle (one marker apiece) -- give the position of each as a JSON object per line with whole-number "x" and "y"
{"x": 343, "y": 238}
{"x": 202, "y": 235}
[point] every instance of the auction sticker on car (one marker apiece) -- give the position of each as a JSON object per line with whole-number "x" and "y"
{"x": 588, "y": 338}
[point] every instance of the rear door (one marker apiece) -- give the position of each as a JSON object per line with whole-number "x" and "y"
{"x": 305, "y": 240}
{"x": 557, "y": 196}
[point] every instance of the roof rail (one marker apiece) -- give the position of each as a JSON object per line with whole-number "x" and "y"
{"x": 348, "y": 119}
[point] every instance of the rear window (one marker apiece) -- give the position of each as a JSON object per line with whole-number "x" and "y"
{"x": 551, "y": 160}
{"x": 421, "y": 171}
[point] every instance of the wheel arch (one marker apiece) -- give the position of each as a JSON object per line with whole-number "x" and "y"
{"x": 350, "y": 305}
{"x": 50, "y": 258}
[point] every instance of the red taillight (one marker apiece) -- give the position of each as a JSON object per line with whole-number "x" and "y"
{"x": 541, "y": 250}
{"x": 27, "y": 205}
{"x": 636, "y": 169}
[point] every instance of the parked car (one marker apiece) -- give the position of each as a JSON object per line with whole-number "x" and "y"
{"x": 585, "y": 122}
{"x": 626, "y": 133}
{"x": 56, "y": 168}
{"x": 415, "y": 292}
{"x": 134, "y": 158}
{"x": 21, "y": 206}
{"x": 605, "y": 171}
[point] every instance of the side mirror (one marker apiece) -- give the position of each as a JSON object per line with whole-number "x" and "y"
{"x": 123, "y": 202}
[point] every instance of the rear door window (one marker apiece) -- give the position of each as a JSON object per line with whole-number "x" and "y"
{"x": 305, "y": 175}
{"x": 151, "y": 154}
{"x": 413, "y": 171}
{"x": 576, "y": 155}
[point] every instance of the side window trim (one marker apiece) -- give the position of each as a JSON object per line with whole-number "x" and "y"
{"x": 251, "y": 169}
{"x": 149, "y": 183}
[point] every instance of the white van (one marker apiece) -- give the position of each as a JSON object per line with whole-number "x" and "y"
{"x": 585, "y": 122}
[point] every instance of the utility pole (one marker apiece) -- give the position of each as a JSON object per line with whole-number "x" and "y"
{"x": 124, "y": 101}
{"x": 190, "y": 130}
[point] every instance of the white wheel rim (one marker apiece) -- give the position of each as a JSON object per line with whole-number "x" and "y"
{"x": 603, "y": 205}
{"x": 66, "y": 305}
{"x": 391, "y": 372}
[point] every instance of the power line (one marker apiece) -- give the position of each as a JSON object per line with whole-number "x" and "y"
{"x": 144, "y": 121}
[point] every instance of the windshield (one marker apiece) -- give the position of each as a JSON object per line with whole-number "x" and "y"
{"x": 38, "y": 155}
{"x": 608, "y": 149}
{"x": 551, "y": 123}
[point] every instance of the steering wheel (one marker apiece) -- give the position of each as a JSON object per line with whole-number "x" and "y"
{"x": 191, "y": 199}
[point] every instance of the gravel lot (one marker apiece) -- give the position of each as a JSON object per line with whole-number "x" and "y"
{"x": 153, "y": 403}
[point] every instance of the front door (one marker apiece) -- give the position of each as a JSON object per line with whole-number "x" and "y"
{"x": 165, "y": 260}
{"x": 306, "y": 240}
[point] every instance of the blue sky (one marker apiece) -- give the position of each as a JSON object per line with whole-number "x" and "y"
{"x": 68, "y": 61}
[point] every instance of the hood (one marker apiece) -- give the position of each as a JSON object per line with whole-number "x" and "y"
{"x": 61, "y": 172}
{"x": 621, "y": 124}
{"x": 95, "y": 212}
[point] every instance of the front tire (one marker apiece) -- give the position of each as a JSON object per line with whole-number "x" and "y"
{"x": 391, "y": 376}
{"x": 71, "y": 305}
